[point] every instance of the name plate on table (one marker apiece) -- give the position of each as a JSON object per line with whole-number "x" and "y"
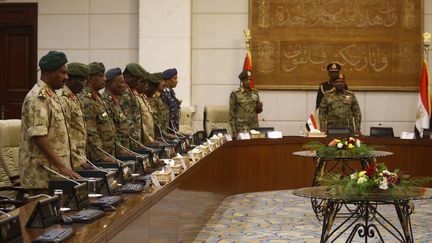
{"x": 228, "y": 137}
{"x": 155, "y": 181}
{"x": 191, "y": 155}
{"x": 274, "y": 134}
{"x": 243, "y": 136}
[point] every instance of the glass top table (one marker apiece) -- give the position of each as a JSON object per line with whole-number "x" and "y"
{"x": 336, "y": 164}
{"x": 313, "y": 154}
{"x": 365, "y": 220}
{"x": 323, "y": 192}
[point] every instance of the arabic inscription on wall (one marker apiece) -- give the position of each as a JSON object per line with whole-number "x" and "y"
{"x": 377, "y": 42}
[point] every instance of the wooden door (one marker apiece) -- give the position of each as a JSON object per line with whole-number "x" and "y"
{"x": 18, "y": 55}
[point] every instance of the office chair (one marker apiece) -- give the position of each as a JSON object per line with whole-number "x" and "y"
{"x": 216, "y": 117}
{"x": 338, "y": 132}
{"x": 381, "y": 132}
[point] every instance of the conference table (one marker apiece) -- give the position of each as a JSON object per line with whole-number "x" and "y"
{"x": 177, "y": 211}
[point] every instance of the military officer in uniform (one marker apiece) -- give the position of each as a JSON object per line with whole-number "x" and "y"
{"x": 160, "y": 109}
{"x": 77, "y": 73}
{"x": 148, "y": 135}
{"x": 115, "y": 87}
{"x": 44, "y": 139}
{"x": 129, "y": 101}
{"x": 169, "y": 97}
{"x": 333, "y": 70}
{"x": 101, "y": 133}
{"x": 339, "y": 108}
{"x": 244, "y": 106}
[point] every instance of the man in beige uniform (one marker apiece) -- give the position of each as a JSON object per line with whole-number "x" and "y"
{"x": 78, "y": 74}
{"x": 44, "y": 138}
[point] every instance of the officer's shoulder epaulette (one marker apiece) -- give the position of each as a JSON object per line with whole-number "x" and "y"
{"x": 349, "y": 92}
{"x": 330, "y": 90}
{"x": 65, "y": 93}
{"x": 43, "y": 93}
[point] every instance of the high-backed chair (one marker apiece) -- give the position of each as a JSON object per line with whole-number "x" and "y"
{"x": 9, "y": 151}
{"x": 186, "y": 124}
{"x": 216, "y": 117}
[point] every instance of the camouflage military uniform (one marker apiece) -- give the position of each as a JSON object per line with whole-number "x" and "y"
{"x": 41, "y": 115}
{"x": 118, "y": 117}
{"x": 100, "y": 128}
{"x": 323, "y": 88}
{"x": 173, "y": 104}
{"x": 75, "y": 118}
{"x": 338, "y": 110}
{"x": 131, "y": 108}
{"x": 242, "y": 109}
{"x": 147, "y": 119}
{"x": 160, "y": 113}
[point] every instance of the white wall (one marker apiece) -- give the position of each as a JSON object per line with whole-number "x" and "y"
{"x": 90, "y": 30}
{"x": 204, "y": 40}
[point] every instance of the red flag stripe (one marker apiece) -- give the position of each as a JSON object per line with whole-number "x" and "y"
{"x": 312, "y": 117}
{"x": 424, "y": 88}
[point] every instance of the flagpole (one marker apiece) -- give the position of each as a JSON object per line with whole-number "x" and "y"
{"x": 426, "y": 44}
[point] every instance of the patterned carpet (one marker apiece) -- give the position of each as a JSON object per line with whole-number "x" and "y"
{"x": 279, "y": 216}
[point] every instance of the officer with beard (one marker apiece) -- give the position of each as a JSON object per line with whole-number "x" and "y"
{"x": 339, "y": 108}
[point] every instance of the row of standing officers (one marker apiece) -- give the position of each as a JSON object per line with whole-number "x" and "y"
{"x": 66, "y": 119}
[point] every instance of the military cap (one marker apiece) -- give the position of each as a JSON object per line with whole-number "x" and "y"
{"x": 52, "y": 61}
{"x": 154, "y": 78}
{"x": 340, "y": 77}
{"x": 334, "y": 66}
{"x": 78, "y": 69}
{"x": 169, "y": 73}
{"x": 135, "y": 70}
{"x": 112, "y": 73}
{"x": 96, "y": 67}
{"x": 245, "y": 74}
{"x": 158, "y": 76}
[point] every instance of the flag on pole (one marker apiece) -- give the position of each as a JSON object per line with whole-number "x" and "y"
{"x": 247, "y": 65}
{"x": 424, "y": 104}
{"x": 311, "y": 123}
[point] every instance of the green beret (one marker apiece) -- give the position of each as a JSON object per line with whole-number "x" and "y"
{"x": 96, "y": 67}
{"x": 136, "y": 70}
{"x": 78, "y": 69}
{"x": 52, "y": 61}
{"x": 155, "y": 78}
{"x": 158, "y": 75}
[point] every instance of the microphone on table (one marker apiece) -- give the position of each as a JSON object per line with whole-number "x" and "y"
{"x": 142, "y": 145}
{"x": 175, "y": 133}
{"x": 163, "y": 139}
{"x": 59, "y": 174}
{"x": 130, "y": 151}
{"x": 94, "y": 166}
{"x": 119, "y": 162}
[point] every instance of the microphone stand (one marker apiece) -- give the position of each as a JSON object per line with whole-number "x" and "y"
{"x": 62, "y": 176}
{"x": 163, "y": 139}
{"x": 121, "y": 146}
{"x": 94, "y": 166}
{"x": 112, "y": 157}
{"x": 145, "y": 147}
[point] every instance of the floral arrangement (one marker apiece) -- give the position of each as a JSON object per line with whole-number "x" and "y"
{"x": 345, "y": 147}
{"x": 375, "y": 177}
